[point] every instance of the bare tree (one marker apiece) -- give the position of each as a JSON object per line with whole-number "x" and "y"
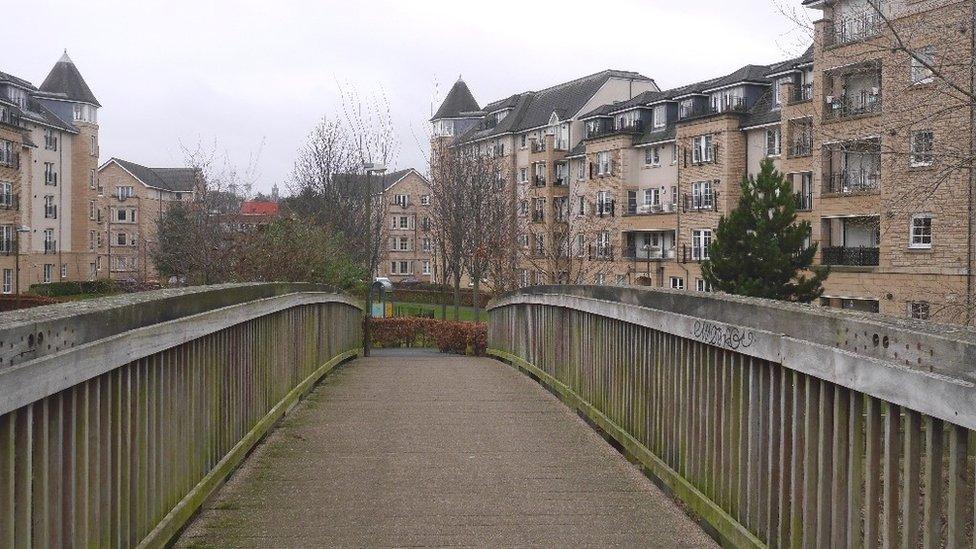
{"x": 449, "y": 175}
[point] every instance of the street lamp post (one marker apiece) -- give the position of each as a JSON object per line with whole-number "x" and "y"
{"x": 370, "y": 168}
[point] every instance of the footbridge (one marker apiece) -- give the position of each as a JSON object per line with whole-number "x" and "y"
{"x": 244, "y": 415}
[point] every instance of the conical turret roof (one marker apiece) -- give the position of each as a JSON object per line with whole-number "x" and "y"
{"x": 64, "y": 79}
{"x": 458, "y": 100}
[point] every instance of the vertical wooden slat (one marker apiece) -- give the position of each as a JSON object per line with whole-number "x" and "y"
{"x": 855, "y": 471}
{"x": 872, "y": 469}
{"x": 958, "y": 492}
{"x": 911, "y": 480}
{"x": 892, "y": 449}
{"x": 840, "y": 444}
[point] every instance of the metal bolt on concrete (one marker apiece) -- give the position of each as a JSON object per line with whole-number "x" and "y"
{"x": 420, "y": 449}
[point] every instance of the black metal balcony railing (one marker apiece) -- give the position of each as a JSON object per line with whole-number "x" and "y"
{"x": 8, "y": 246}
{"x": 705, "y": 202}
{"x": 539, "y": 146}
{"x": 560, "y": 181}
{"x": 538, "y": 216}
{"x": 730, "y": 105}
{"x": 601, "y": 252}
{"x": 50, "y": 178}
{"x": 654, "y": 253}
{"x": 854, "y": 256}
{"x": 801, "y": 94}
{"x": 606, "y": 209}
{"x": 802, "y": 147}
{"x": 846, "y": 106}
{"x": 851, "y": 182}
{"x": 804, "y": 202}
{"x": 651, "y": 209}
{"x": 50, "y": 246}
{"x": 853, "y": 29}
{"x": 693, "y": 254}
{"x": 51, "y": 212}
{"x": 538, "y": 181}
{"x": 636, "y": 126}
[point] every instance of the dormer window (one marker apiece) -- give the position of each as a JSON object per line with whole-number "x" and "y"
{"x": 660, "y": 116}
{"x": 17, "y": 96}
{"x": 593, "y": 127}
{"x": 629, "y": 119}
{"x": 777, "y": 91}
{"x": 85, "y": 113}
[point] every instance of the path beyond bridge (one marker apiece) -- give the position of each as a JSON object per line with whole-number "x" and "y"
{"x": 421, "y": 449}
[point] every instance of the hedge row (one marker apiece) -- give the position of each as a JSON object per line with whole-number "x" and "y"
{"x": 98, "y": 287}
{"x": 431, "y": 297}
{"x": 449, "y": 337}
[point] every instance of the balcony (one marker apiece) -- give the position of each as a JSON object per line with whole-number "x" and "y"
{"x": 637, "y": 126}
{"x": 651, "y": 209}
{"x": 539, "y": 146}
{"x": 51, "y": 178}
{"x": 50, "y": 247}
{"x": 853, "y": 29}
{"x": 606, "y": 209}
{"x": 600, "y": 252}
{"x": 50, "y": 212}
{"x": 538, "y": 181}
{"x": 851, "y": 182}
{"x": 538, "y": 216}
{"x": 560, "y": 181}
{"x": 800, "y": 148}
{"x": 863, "y": 103}
{"x": 801, "y": 94}
{"x": 693, "y": 254}
{"x": 706, "y": 202}
{"x": 648, "y": 253}
{"x": 855, "y": 257}
{"x": 804, "y": 201}
{"x": 698, "y": 110}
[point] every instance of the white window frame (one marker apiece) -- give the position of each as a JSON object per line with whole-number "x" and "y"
{"x": 921, "y": 157}
{"x": 920, "y": 235}
{"x": 660, "y": 116}
{"x": 702, "y": 285}
{"x": 8, "y": 281}
{"x": 774, "y": 141}
{"x": 425, "y": 200}
{"x": 604, "y": 163}
{"x": 677, "y": 283}
{"x": 919, "y": 310}
{"x": 701, "y": 240}
{"x": 919, "y": 73}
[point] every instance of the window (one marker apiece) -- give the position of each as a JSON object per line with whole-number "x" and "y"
{"x": 604, "y": 203}
{"x": 674, "y": 153}
{"x": 677, "y": 283}
{"x": 91, "y": 209}
{"x": 703, "y": 197}
{"x": 8, "y": 281}
{"x": 393, "y": 267}
{"x": 94, "y": 146}
{"x": 921, "y": 236}
{"x": 652, "y": 156}
{"x": 425, "y": 200}
{"x": 17, "y": 96}
{"x": 523, "y": 240}
{"x": 405, "y": 267}
{"x": 426, "y": 267}
{"x": 522, "y": 140}
{"x": 6, "y": 239}
{"x": 582, "y": 206}
{"x": 123, "y": 192}
{"x": 91, "y": 240}
{"x": 403, "y": 244}
{"x": 50, "y": 176}
{"x": 92, "y": 180}
{"x": 701, "y": 239}
{"x": 523, "y": 175}
{"x": 50, "y": 208}
{"x": 702, "y": 285}
{"x": 120, "y": 239}
{"x": 523, "y": 277}
{"x": 600, "y": 279}
{"x": 922, "y": 145}
{"x": 660, "y": 116}
{"x": 922, "y": 74}
{"x": 401, "y": 200}
{"x": 50, "y": 140}
{"x": 777, "y": 91}
{"x": 773, "y": 141}
{"x": 6, "y": 194}
{"x": 64, "y": 270}
{"x": 604, "y": 163}
{"x": 404, "y": 222}
{"x": 7, "y": 155}
{"x": 581, "y": 173}
{"x": 85, "y": 113}
{"x": 919, "y": 310}
{"x": 48, "y": 272}
{"x": 702, "y": 149}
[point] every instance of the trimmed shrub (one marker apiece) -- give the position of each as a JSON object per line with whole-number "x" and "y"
{"x": 460, "y": 338}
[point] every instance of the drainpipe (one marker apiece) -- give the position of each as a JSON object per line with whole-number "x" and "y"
{"x": 970, "y": 302}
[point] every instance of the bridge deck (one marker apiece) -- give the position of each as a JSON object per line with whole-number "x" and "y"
{"x": 415, "y": 449}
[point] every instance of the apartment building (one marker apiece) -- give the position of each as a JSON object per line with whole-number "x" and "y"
{"x": 409, "y": 236}
{"x": 48, "y": 157}
{"x": 131, "y": 199}
{"x": 647, "y": 176}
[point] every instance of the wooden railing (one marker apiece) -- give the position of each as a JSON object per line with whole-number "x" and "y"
{"x": 777, "y": 424}
{"x": 119, "y": 417}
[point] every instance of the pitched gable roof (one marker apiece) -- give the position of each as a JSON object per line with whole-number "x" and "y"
{"x": 459, "y": 100}
{"x": 65, "y": 81}
{"x": 167, "y": 179}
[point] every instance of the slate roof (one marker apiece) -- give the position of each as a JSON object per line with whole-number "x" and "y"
{"x": 534, "y": 108}
{"x": 762, "y": 112}
{"x": 4, "y": 77}
{"x": 578, "y": 150}
{"x": 35, "y": 111}
{"x": 168, "y": 179}
{"x": 668, "y": 133}
{"x": 379, "y": 184}
{"x": 458, "y": 100}
{"x": 65, "y": 81}
{"x": 792, "y": 64}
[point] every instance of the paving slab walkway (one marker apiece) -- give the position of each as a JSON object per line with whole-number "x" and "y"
{"x": 419, "y": 449}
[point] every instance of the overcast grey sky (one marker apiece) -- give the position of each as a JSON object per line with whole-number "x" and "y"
{"x": 257, "y": 75}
